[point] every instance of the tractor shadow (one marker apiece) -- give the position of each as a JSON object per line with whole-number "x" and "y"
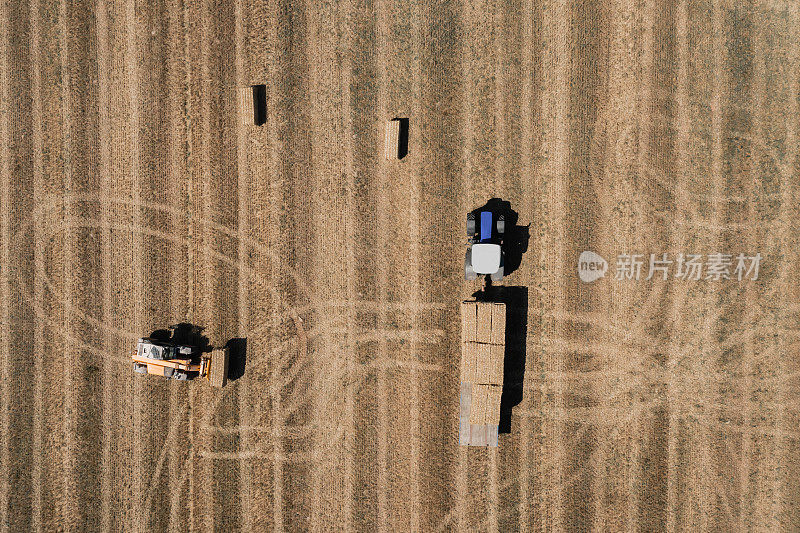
{"x": 516, "y": 300}
{"x": 515, "y": 242}
{"x": 184, "y": 333}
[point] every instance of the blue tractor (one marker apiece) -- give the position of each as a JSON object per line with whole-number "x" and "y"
{"x": 485, "y": 255}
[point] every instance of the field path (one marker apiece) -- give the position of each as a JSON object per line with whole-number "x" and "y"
{"x": 5, "y": 220}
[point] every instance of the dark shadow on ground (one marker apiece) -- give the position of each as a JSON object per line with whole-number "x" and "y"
{"x": 238, "y": 358}
{"x": 516, "y": 300}
{"x": 402, "y": 139}
{"x": 162, "y": 335}
{"x": 190, "y": 335}
{"x": 259, "y": 104}
{"x": 515, "y": 241}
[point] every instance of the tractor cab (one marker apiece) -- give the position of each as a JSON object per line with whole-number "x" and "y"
{"x": 485, "y": 256}
{"x": 152, "y": 349}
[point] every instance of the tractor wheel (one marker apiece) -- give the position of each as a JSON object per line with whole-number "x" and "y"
{"x": 501, "y": 224}
{"x": 469, "y": 273}
{"x": 470, "y": 224}
{"x": 139, "y": 369}
{"x": 219, "y": 367}
{"x": 498, "y": 276}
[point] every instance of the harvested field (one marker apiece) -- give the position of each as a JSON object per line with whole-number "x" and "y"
{"x": 132, "y": 197}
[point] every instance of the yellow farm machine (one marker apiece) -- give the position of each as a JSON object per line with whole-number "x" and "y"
{"x": 172, "y": 358}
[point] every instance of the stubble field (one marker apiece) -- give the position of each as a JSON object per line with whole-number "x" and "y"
{"x": 132, "y": 199}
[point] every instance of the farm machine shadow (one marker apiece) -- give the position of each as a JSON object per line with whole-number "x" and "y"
{"x": 185, "y": 334}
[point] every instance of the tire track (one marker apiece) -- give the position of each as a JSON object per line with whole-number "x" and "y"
{"x": 203, "y": 305}
{"x": 49, "y": 230}
{"x": 220, "y": 307}
{"x": 169, "y": 439}
{"x": 68, "y": 512}
{"x": 292, "y": 112}
{"x": 334, "y": 220}
{"x": 766, "y": 498}
{"x": 644, "y": 104}
{"x": 683, "y": 129}
{"x": 104, "y": 69}
{"x": 589, "y": 70}
{"x": 785, "y": 499}
{"x": 243, "y": 226}
{"x": 531, "y": 138}
{"x": 324, "y": 128}
{"x": 194, "y": 142}
{"x": 158, "y": 309}
{"x": 382, "y": 264}
{"x": 746, "y": 514}
{"x": 262, "y": 22}
{"x": 716, "y": 48}
{"x": 49, "y": 66}
{"x": 136, "y": 516}
{"x": 416, "y": 266}
{"x": 399, "y": 197}
{"x": 37, "y": 477}
{"x": 533, "y": 90}
{"x": 177, "y": 169}
{"x": 350, "y": 229}
{"x": 462, "y": 502}
{"x": 224, "y": 303}
{"x": 573, "y": 477}
{"x": 415, "y": 263}
{"x": 364, "y": 119}
{"x": 442, "y": 155}
{"x": 5, "y": 231}
{"x": 556, "y": 145}
{"x": 661, "y": 91}
{"x": 614, "y": 510}
{"x": 83, "y": 274}
{"x": 471, "y": 472}
{"x": 279, "y": 460}
{"x": 21, "y": 328}
{"x": 74, "y": 200}
{"x": 277, "y": 184}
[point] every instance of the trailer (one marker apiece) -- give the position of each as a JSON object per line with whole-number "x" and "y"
{"x": 483, "y": 330}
